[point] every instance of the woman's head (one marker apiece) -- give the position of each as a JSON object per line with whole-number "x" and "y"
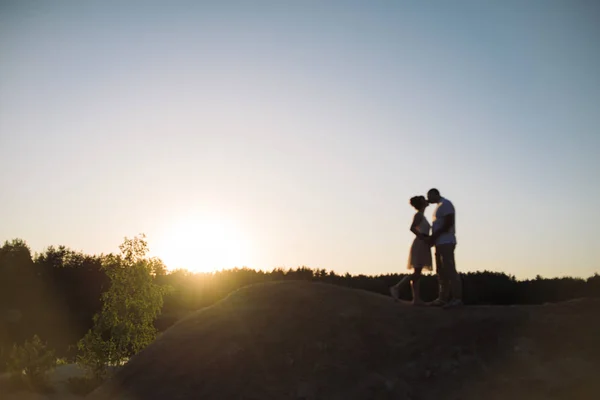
{"x": 419, "y": 202}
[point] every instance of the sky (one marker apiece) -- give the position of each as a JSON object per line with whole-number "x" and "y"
{"x": 286, "y": 133}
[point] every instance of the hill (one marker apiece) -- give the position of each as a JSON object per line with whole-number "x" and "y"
{"x": 297, "y": 340}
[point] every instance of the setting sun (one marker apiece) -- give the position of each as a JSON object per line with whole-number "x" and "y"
{"x": 202, "y": 245}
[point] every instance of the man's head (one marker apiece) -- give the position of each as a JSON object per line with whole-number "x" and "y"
{"x": 433, "y": 196}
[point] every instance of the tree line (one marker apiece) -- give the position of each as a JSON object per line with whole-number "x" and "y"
{"x": 56, "y": 294}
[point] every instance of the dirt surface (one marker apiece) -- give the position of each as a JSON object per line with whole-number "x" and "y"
{"x": 57, "y": 379}
{"x": 294, "y": 340}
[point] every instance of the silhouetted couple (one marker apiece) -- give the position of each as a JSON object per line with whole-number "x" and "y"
{"x": 443, "y": 237}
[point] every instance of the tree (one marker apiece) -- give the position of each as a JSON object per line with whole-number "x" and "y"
{"x": 73, "y": 287}
{"x": 124, "y": 326}
{"x": 20, "y": 296}
{"x": 18, "y": 277}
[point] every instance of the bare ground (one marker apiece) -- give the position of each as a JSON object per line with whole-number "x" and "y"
{"x": 57, "y": 379}
{"x": 296, "y": 340}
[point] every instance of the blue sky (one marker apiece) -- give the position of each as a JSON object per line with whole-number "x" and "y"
{"x": 275, "y": 133}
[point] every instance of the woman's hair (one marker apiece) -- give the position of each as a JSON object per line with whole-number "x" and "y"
{"x": 417, "y": 202}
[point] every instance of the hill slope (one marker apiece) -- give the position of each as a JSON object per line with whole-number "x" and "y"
{"x": 295, "y": 340}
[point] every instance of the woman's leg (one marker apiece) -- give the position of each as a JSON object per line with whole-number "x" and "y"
{"x": 395, "y": 290}
{"x": 416, "y": 286}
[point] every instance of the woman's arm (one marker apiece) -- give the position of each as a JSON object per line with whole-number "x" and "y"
{"x": 416, "y": 222}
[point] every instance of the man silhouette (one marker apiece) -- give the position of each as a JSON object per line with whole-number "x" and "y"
{"x": 444, "y": 238}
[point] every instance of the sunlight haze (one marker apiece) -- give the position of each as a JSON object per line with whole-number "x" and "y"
{"x": 280, "y": 134}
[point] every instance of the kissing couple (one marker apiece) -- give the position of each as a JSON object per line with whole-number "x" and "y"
{"x": 442, "y": 235}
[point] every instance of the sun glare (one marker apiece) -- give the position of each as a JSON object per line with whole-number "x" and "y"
{"x": 202, "y": 245}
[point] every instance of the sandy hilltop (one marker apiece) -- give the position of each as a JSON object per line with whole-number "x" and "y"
{"x": 296, "y": 340}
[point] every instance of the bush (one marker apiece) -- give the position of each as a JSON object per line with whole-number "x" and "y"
{"x": 62, "y": 361}
{"x": 31, "y": 362}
